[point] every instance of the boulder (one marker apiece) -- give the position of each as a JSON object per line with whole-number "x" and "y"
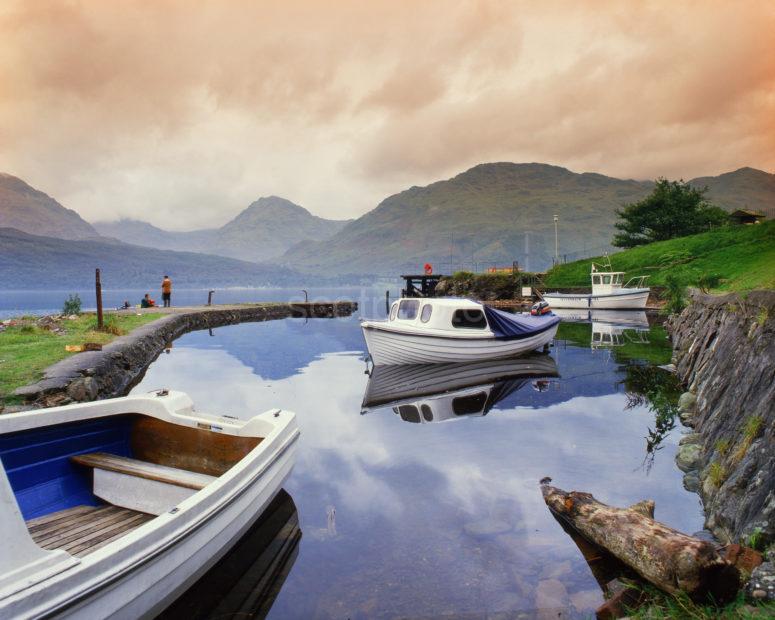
{"x": 688, "y": 457}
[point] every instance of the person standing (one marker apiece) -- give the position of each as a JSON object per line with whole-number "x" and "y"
{"x": 166, "y": 291}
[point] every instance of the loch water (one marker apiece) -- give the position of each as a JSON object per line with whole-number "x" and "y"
{"x": 391, "y": 514}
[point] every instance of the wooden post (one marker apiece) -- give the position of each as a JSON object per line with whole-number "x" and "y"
{"x": 98, "y": 290}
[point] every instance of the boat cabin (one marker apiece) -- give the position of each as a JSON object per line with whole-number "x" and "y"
{"x": 450, "y": 314}
{"x": 609, "y": 282}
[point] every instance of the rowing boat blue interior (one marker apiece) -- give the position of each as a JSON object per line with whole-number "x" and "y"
{"x": 38, "y": 466}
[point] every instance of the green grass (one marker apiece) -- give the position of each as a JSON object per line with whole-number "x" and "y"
{"x": 661, "y": 605}
{"x": 741, "y": 256}
{"x": 26, "y": 350}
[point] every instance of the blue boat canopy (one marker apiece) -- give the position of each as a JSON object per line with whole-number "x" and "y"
{"x": 507, "y": 326}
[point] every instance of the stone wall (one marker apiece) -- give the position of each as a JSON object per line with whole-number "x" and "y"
{"x": 724, "y": 351}
{"x": 120, "y": 365}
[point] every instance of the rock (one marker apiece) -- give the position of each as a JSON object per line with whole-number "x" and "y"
{"x": 621, "y": 603}
{"x": 687, "y": 402}
{"x": 687, "y": 418}
{"x": 551, "y": 594}
{"x": 692, "y": 482}
{"x": 761, "y": 585}
{"x": 83, "y": 390}
{"x": 745, "y": 558}
{"x": 486, "y": 527}
{"x": 688, "y": 457}
{"x": 690, "y": 438}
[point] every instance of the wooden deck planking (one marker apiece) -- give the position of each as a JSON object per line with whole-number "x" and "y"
{"x": 84, "y": 529}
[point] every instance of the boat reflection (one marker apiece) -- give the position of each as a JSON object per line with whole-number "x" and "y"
{"x": 430, "y": 393}
{"x": 245, "y": 582}
{"x": 610, "y": 328}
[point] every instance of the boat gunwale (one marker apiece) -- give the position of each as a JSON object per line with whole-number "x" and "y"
{"x": 384, "y": 326}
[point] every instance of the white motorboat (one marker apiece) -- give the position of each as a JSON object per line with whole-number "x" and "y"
{"x": 447, "y": 330}
{"x": 607, "y": 292}
{"x": 113, "y": 508}
{"x": 430, "y": 393}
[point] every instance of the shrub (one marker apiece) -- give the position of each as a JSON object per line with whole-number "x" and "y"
{"x": 717, "y": 474}
{"x": 708, "y": 281}
{"x": 72, "y": 305}
{"x": 675, "y": 294}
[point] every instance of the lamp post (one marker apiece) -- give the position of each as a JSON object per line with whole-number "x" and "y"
{"x": 556, "y": 243}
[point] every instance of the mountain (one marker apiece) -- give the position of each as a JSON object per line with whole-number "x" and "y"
{"x": 492, "y": 214}
{"x": 497, "y": 213}
{"x": 746, "y": 188}
{"x": 263, "y": 231}
{"x": 35, "y": 262}
{"x": 27, "y": 209}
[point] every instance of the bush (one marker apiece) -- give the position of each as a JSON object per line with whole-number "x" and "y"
{"x": 675, "y": 294}
{"x": 708, "y": 281}
{"x": 72, "y": 305}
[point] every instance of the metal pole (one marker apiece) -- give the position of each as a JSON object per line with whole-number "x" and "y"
{"x": 98, "y": 290}
{"x": 210, "y": 298}
{"x": 556, "y": 242}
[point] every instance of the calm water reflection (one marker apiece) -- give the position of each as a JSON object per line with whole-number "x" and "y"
{"x": 416, "y": 519}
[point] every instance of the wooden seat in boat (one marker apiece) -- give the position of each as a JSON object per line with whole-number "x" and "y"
{"x": 140, "y": 485}
{"x": 144, "y": 469}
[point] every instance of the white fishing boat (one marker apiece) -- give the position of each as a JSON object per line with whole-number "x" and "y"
{"x": 111, "y": 509}
{"x": 607, "y": 292}
{"x": 446, "y": 330}
{"x": 430, "y": 393}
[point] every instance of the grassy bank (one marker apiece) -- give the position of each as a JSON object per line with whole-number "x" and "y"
{"x": 27, "y": 347}
{"x": 739, "y": 258}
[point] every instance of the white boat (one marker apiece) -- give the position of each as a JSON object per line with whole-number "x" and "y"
{"x": 448, "y": 330}
{"x": 430, "y": 393}
{"x": 607, "y": 292}
{"x": 111, "y": 509}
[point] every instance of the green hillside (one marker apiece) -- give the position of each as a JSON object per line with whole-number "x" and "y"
{"x": 743, "y": 257}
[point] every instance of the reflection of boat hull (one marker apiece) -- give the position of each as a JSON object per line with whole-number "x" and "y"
{"x": 633, "y": 319}
{"x": 391, "y": 384}
{"x": 628, "y": 298}
{"x": 388, "y": 347}
{"x": 247, "y": 580}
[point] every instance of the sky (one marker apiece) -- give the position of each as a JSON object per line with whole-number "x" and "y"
{"x": 183, "y": 113}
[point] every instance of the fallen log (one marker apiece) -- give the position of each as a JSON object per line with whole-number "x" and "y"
{"x": 669, "y": 559}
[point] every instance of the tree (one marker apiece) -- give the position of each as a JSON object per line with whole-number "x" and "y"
{"x": 673, "y": 209}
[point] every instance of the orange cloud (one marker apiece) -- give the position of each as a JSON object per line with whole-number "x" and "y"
{"x": 183, "y": 114}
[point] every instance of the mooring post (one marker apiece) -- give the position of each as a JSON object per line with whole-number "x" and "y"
{"x": 210, "y": 298}
{"x": 306, "y": 297}
{"x": 98, "y": 290}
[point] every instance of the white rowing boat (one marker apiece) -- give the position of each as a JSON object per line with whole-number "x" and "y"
{"x": 448, "y": 330}
{"x": 111, "y": 509}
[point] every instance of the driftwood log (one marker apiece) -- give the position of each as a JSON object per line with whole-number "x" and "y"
{"x": 669, "y": 559}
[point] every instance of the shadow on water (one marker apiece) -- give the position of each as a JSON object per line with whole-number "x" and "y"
{"x": 246, "y": 581}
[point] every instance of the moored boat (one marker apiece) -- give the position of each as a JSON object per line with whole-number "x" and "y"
{"x": 113, "y": 508}
{"x": 447, "y": 330}
{"x": 607, "y": 292}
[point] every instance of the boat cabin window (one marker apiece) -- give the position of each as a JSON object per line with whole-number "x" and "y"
{"x": 469, "y": 319}
{"x": 393, "y": 311}
{"x": 595, "y": 279}
{"x": 407, "y": 309}
{"x": 466, "y": 405}
{"x": 408, "y": 413}
{"x": 425, "y": 315}
{"x": 618, "y": 278}
{"x": 606, "y": 279}
{"x": 427, "y": 414}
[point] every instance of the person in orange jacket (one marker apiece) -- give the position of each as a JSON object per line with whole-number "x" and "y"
{"x": 166, "y": 291}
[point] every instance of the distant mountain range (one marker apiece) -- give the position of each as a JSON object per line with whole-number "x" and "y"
{"x": 494, "y": 214}
{"x": 36, "y": 262}
{"x": 28, "y": 209}
{"x": 264, "y": 231}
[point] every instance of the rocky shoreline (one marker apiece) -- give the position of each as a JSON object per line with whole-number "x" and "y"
{"x": 120, "y": 365}
{"x": 724, "y": 352}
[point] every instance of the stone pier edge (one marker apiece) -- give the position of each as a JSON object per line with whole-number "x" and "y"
{"x": 121, "y": 364}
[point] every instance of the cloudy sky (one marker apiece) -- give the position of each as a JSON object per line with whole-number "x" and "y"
{"x": 183, "y": 113}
